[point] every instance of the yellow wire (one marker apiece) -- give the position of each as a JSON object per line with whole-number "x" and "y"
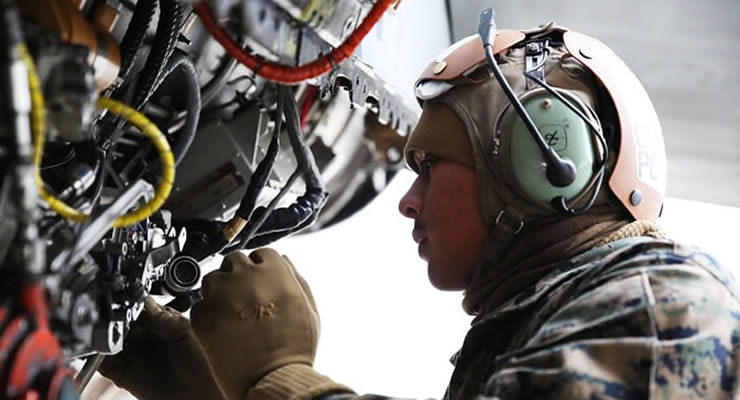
{"x": 148, "y": 128}
{"x": 38, "y": 129}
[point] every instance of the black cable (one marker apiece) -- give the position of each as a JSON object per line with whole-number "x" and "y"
{"x": 304, "y": 156}
{"x": 262, "y": 173}
{"x": 182, "y": 61}
{"x": 264, "y": 240}
{"x": 134, "y": 36}
{"x": 66, "y": 158}
{"x": 275, "y": 224}
{"x": 296, "y": 214}
{"x": 560, "y": 171}
{"x": 165, "y": 39}
{"x": 257, "y": 221}
{"x": 141, "y": 87}
{"x": 95, "y": 192}
{"x": 184, "y": 139}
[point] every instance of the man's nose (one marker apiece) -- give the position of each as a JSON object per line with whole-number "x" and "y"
{"x": 411, "y": 203}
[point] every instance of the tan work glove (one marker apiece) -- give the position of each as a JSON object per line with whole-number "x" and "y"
{"x": 258, "y": 320}
{"x": 162, "y": 359}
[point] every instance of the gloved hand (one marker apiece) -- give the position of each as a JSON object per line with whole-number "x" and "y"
{"x": 258, "y": 318}
{"x": 161, "y": 359}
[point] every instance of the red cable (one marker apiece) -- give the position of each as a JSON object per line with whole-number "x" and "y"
{"x": 290, "y": 74}
{"x": 34, "y": 302}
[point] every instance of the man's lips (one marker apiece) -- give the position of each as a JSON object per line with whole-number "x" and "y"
{"x": 418, "y": 235}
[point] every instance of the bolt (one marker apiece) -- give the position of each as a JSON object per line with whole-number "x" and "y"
{"x": 546, "y": 104}
{"x": 83, "y": 315}
{"x": 393, "y": 155}
{"x": 533, "y": 47}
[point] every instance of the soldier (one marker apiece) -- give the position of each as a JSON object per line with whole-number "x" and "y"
{"x": 540, "y": 179}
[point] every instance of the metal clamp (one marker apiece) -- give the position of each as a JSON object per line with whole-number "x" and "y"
{"x": 536, "y": 53}
{"x": 519, "y": 227}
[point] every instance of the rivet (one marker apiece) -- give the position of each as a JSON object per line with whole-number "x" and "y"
{"x": 636, "y": 197}
{"x": 546, "y": 104}
{"x": 440, "y": 67}
{"x": 393, "y": 155}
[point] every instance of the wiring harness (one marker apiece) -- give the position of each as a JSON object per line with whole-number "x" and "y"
{"x": 38, "y": 128}
{"x": 289, "y": 74}
{"x": 254, "y": 227}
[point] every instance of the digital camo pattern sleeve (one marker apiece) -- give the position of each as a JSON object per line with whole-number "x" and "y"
{"x": 662, "y": 324}
{"x": 657, "y": 321}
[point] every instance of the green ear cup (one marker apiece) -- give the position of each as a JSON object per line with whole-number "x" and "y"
{"x": 565, "y": 132}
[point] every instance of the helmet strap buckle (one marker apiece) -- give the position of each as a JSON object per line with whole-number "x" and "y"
{"x": 535, "y": 53}
{"x": 509, "y": 221}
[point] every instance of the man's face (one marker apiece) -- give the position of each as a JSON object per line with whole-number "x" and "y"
{"x": 448, "y": 226}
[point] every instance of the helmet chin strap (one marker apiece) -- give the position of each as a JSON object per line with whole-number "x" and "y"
{"x": 508, "y": 223}
{"x": 501, "y": 235}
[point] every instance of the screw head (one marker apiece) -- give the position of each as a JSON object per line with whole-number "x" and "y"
{"x": 546, "y": 104}
{"x": 441, "y": 66}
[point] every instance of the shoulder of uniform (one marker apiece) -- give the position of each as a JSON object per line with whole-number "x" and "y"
{"x": 652, "y": 288}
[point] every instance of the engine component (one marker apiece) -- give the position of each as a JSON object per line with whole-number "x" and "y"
{"x": 168, "y": 27}
{"x": 89, "y": 233}
{"x": 66, "y": 19}
{"x": 70, "y": 86}
{"x": 135, "y": 33}
{"x": 149, "y": 129}
{"x": 181, "y": 275}
{"x": 281, "y": 73}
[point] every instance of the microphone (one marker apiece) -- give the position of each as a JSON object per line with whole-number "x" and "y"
{"x": 561, "y": 171}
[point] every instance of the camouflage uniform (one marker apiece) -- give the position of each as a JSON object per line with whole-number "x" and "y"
{"x": 639, "y": 318}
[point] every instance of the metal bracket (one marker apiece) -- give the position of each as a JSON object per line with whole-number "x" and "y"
{"x": 535, "y": 57}
{"x": 94, "y": 232}
{"x": 366, "y": 88}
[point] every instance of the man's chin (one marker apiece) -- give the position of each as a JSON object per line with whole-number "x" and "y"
{"x": 442, "y": 283}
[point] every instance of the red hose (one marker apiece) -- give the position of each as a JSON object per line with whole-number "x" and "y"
{"x": 290, "y": 74}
